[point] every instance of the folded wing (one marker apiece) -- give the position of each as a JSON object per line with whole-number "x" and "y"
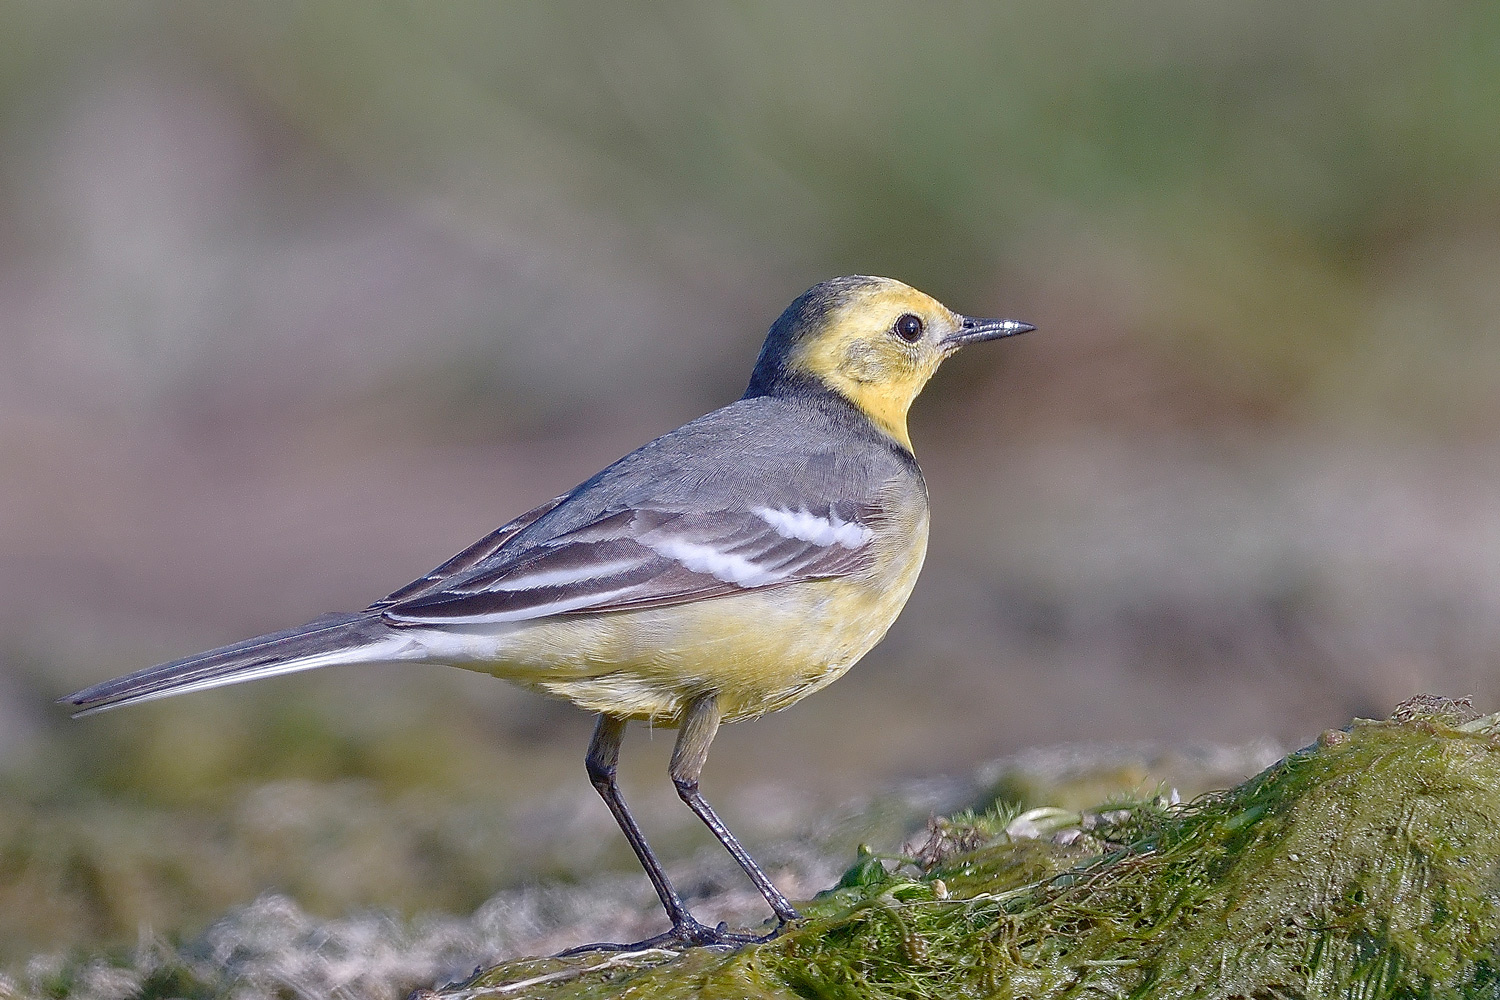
{"x": 643, "y": 558}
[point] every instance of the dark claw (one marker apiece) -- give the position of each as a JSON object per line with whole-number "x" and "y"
{"x": 688, "y": 934}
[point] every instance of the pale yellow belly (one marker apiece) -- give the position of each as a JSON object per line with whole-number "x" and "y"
{"x": 759, "y": 651}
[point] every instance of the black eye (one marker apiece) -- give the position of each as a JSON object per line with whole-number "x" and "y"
{"x": 909, "y": 328}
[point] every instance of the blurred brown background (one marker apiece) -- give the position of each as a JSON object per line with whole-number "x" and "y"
{"x": 298, "y": 300}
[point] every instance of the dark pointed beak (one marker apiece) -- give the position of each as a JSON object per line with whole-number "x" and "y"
{"x": 972, "y": 331}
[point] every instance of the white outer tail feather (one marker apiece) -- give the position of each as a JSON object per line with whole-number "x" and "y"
{"x": 329, "y": 641}
{"x": 358, "y": 654}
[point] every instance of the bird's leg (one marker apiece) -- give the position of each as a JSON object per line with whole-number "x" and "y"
{"x": 700, "y": 722}
{"x": 603, "y": 755}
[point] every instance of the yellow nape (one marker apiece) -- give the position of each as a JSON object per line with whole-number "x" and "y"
{"x": 867, "y": 348}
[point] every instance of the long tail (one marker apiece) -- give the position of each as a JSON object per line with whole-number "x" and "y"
{"x": 334, "y": 638}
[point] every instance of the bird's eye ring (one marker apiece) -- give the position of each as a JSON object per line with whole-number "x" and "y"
{"x": 909, "y": 328}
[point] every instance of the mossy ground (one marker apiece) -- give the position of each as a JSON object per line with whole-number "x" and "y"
{"x": 1367, "y": 865}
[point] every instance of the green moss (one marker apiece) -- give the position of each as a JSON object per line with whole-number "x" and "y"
{"x": 1367, "y": 866}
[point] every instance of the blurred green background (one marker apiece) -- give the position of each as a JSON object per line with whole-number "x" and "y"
{"x": 296, "y": 300}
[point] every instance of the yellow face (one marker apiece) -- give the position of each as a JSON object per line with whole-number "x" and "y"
{"x": 878, "y": 349}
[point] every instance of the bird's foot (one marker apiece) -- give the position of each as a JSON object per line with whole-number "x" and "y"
{"x": 687, "y": 933}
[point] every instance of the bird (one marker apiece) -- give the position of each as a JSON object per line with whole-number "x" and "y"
{"x": 722, "y": 571}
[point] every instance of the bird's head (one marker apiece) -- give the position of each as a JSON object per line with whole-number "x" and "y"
{"x": 873, "y": 341}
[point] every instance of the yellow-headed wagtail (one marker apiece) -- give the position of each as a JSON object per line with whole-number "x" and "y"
{"x": 723, "y": 571}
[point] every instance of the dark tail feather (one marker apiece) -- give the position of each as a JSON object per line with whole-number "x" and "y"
{"x": 333, "y": 638}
